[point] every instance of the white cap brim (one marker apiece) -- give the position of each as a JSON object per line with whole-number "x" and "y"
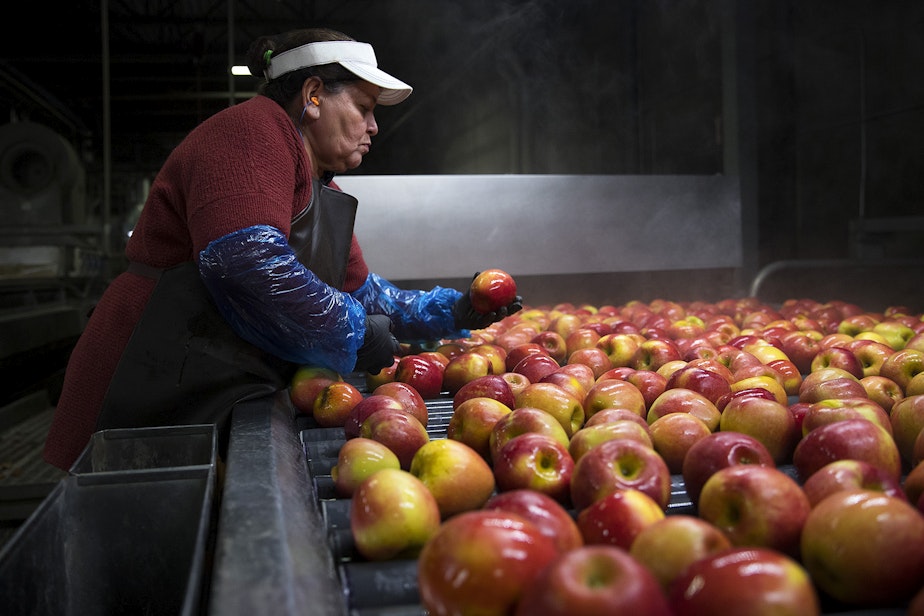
{"x": 356, "y": 57}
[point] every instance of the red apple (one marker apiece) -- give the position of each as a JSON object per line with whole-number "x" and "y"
{"x": 332, "y": 406}
{"x": 618, "y": 517}
{"x": 459, "y": 568}
{"x": 398, "y": 430}
{"x": 789, "y": 374}
{"x": 855, "y": 439}
{"x": 566, "y": 381}
{"x": 553, "y": 343}
{"x": 306, "y": 384}
{"x": 685, "y": 401}
{"x": 907, "y": 419}
{"x": 768, "y": 421}
{"x": 593, "y": 358}
{"x": 592, "y": 435}
{"x": 650, "y": 383}
{"x": 365, "y": 407}
{"x": 654, "y": 353}
{"x": 496, "y": 355}
{"x": 536, "y": 366}
{"x": 609, "y": 415}
{"x": 850, "y": 475}
{"x": 357, "y": 459}
{"x": 865, "y": 548}
{"x": 902, "y": 366}
{"x": 841, "y": 387}
{"x": 838, "y": 357}
{"x": 549, "y": 515}
{"x": 755, "y": 505}
{"x": 667, "y": 547}
{"x": 913, "y": 486}
{"x": 743, "y": 580}
{"x": 620, "y": 464}
{"x": 409, "y": 398}
{"x": 709, "y": 383}
{"x": 717, "y": 451}
{"x": 620, "y": 348}
{"x": 581, "y": 338}
{"x": 424, "y": 375}
{"x": 837, "y": 409}
{"x": 493, "y": 386}
{"x": 801, "y": 348}
{"x": 392, "y": 515}
{"x": 870, "y": 354}
{"x": 521, "y": 421}
{"x": 518, "y": 352}
{"x": 459, "y": 479}
{"x": 491, "y": 290}
{"x": 583, "y": 373}
{"x": 473, "y": 421}
{"x": 462, "y": 369}
{"x": 594, "y": 581}
{"x": 516, "y": 381}
{"x": 556, "y": 401}
{"x": 537, "y": 462}
{"x": 883, "y": 391}
{"x": 672, "y": 436}
{"x": 611, "y": 394}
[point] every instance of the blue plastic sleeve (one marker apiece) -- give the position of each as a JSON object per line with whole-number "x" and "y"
{"x": 274, "y": 302}
{"x": 417, "y": 315}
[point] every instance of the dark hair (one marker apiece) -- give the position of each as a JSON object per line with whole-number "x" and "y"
{"x": 283, "y": 88}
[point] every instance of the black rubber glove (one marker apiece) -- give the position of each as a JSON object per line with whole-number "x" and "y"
{"x": 467, "y": 317}
{"x": 379, "y": 346}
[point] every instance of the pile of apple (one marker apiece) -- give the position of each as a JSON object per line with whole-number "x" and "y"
{"x": 797, "y": 431}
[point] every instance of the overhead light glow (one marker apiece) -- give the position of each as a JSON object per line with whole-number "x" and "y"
{"x": 240, "y": 70}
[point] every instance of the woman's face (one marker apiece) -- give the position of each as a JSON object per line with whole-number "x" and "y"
{"x": 343, "y": 131}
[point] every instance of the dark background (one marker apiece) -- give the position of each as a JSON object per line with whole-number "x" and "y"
{"x": 824, "y": 100}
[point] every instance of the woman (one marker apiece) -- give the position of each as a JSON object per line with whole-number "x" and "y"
{"x": 243, "y": 263}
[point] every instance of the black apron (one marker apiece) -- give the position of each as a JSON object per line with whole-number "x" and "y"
{"x": 184, "y": 364}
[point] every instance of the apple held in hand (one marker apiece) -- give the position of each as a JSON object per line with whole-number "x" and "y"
{"x": 668, "y": 546}
{"x": 457, "y": 476}
{"x": 594, "y": 581}
{"x": 492, "y": 290}
{"x": 618, "y": 517}
{"x": 545, "y": 512}
{"x": 620, "y": 464}
{"x": 306, "y": 384}
{"x": 392, "y": 515}
{"x": 481, "y": 562}
{"x": 357, "y": 459}
{"x": 741, "y": 580}
{"x": 865, "y": 548}
{"x": 850, "y": 475}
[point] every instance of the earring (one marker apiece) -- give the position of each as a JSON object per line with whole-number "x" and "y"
{"x": 315, "y": 101}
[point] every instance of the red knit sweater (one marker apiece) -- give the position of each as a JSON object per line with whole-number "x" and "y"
{"x": 245, "y": 166}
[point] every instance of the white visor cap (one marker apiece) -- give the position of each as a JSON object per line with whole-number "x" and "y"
{"x": 356, "y": 57}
